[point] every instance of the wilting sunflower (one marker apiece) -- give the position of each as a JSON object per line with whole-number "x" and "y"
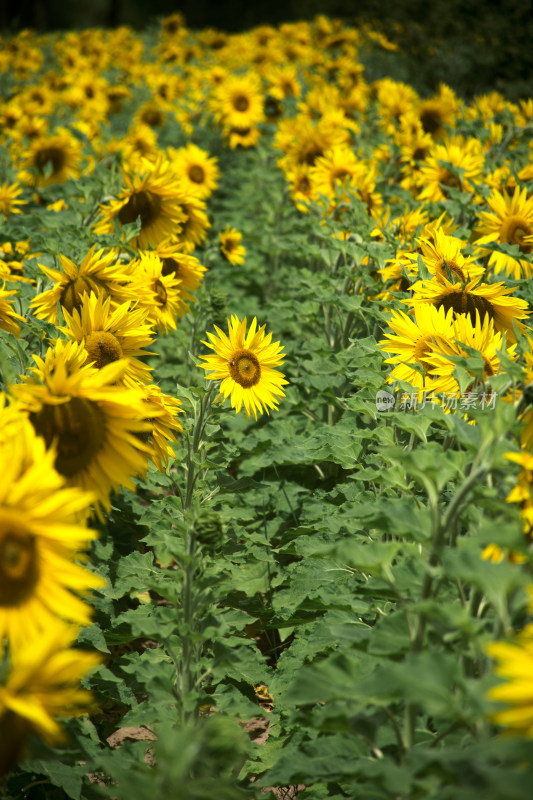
{"x": 515, "y": 665}
{"x": 97, "y": 424}
{"x": 9, "y": 317}
{"x": 411, "y": 342}
{"x": 10, "y": 199}
{"x": 197, "y": 170}
{"x": 511, "y": 222}
{"x": 51, "y": 159}
{"x": 245, "y": 363}
{"x": 43, "y": 684}
{"x": 152, "y": 194}
{"x": 41, "y": 532}
{"x": 109, "y": 333}
{"x": 473, "y": 298}
{"x": 230, "y": 245}
{"x": 98, "y": 272}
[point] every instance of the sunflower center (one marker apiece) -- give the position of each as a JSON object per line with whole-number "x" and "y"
{"x": 245, "y": 369}
{"x": 229, "y": 245}
{"x": 161, "y": 293}
{"x": 466, "y": 303}
{"x": 72, "y": 293}
{"x": 241, "y": 103}
{"x": 514, "y": 229}
{"x": 79, "y": 428}
{"x": 170, "y": 267}
{"x": 447, "y": 179}
{"x": 103, "y": 348}
{"x": 421, "y": 349}
{"x": 196, "y": 174}
{"x": 431, "y": 121}
{"x": 19, "y": 567}
{"x": 54, "y": 156}
{"x": 455, "y": 270}
{"x": 153, "y": 117}
{"x": 141, "y": 204}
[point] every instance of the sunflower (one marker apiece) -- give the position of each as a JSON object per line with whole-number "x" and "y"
{"x": 453, "y": 163}
{"x": 43, "y": 683}
{"x": 8, "y": 317}
{"x": 412, "y": 340}
{"x": 157, "y": 293}
{"x": 442, "y": 257}
{"x": 195, "y": 222}
{"x": 9, "y": 199}
{"x": 334, "y": 169}
{"x": 94, "y": 421}
{"x": 522, "y": 492}
{"x": 51, "y": 159}
{"x": 12, "y": 258}
{"x": 165, "y": 423}
{"x": 238, "y": 101}
{"x": 40, "y": 534}
{"x": 511, "y": 222}
{"x": 186, "y": 268}
{"x": 230, "y": 245}
{"x": 109, "y": 333}
{"x": 245, "y": 363}
{"x": 153, "y": 194}
{"x": 515, "y": 665}
{"x": 473, "y": 298}
{"x": 98, "y": 272}
{"x": 478, "y": 335}
{"x": 197, "y": 170}
{"x": 438, "y": 112}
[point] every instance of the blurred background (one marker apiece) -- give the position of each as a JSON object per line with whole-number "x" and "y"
{"x": 475, "y": 46}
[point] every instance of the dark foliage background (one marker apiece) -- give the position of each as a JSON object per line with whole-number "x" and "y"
{"x": 475, "y": 46}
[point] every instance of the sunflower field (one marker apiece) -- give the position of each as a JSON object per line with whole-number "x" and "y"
{"x": 266, "y": 427}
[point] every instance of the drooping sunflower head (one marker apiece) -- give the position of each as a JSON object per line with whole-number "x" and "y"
{"x": 245, "y": 363}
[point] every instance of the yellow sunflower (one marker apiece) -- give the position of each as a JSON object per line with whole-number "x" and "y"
{"x": 511, "y": 222}
{"x": 522, "y": 492}
{"x": 96, "y": 423}
{"x": 9, "y": 319}
{"x": 485, "y": 299}
{"x": 165, "y": 424}
{"x": 159, "y": 294}
{"x": 442, "y": 257}
{"x": 438, "y": 112}
{"x": 195, "y": 222}
{"x": 109, "y": 333}
{"x": 245, "y": 364}
{"x": 10, "y": 199}
{"x": 411, "y": 342}
{"x": 41, "y": 532}
{"x": 43, "y": 684}
{"x": 98, "y": 272}
{"x": 12, "y": 258}
{"x": 478, "y": 335}
{"x": 466, "y": 160}
{"x": 334, "y": 169}
{"x": 151, "y": 194}
{"x": 230, "y": 245}
{"x": 51, "y": 159}
{"x": 197, "y": 170}
{"x": 186, "y": 268}
{"x": 238, "y": 101}
{"x": 514, "y": 664}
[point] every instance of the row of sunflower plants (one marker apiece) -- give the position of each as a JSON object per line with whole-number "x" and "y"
{"x": 266, "y": 420}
